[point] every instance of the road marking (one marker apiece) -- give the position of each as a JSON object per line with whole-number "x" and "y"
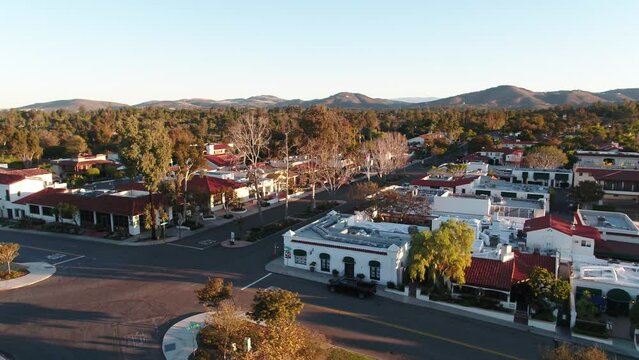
{"x": 48, "y": 250}
{"x": 186, "y": 246}
{"x": 69, "y": 260}
{"x": 55, "y": 256}
{"x": 206, "y": 242}
{"x": 256, "y": 281}
{"x": 418, "y": 332}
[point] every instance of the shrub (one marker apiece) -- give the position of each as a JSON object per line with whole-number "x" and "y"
{"x": 591, "y": 328}
{"x": 390, "y": 285}
{"x": 335, "y": 272}
{"x": 361, "y": 276}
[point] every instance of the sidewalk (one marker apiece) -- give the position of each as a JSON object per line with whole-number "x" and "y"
{"x": 38, "y": 271}
{"x": 179, "y": 341}
{"x": 620, "y": 346}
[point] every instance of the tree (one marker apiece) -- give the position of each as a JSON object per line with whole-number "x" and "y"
{"x": 545, "y": 286}
{"x": 442, "y": 254}
{"x": 224, "y": 328}
{"x": 66, "y": 211}
{"x": 189, "y": 158}
{"x": 480, "y": 142}
{"x": 275, "y": 306}
{"x": 25, "y": 145}
{"x": 400, "y": 206}
{"x": 214, "y": 292}
{"x": 75, "y": 145}
{"x": 588, "y": 192}
{"x": 546, "y": 157}
{"x": 92, "y": 172}
{"x": 389, "y": 153}
{"x": 8, "y": 252}
{"x": 146, "y": 150}
{"x": 362, "y": 191}
{"x": 566, "y": 352}
{"x": 251, "y": 134}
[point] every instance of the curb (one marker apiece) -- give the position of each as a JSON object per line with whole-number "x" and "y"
{"x": 38, "y": 271}
{"x": 179, "y": 342}
{"x": 92, "y": 239}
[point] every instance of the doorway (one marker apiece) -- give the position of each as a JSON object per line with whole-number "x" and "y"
{"x": 349, "y": 267}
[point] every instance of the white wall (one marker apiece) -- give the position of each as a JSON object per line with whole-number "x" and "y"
{"x": 461, "y": 205}
{"x": 549, "y": 239}
{"x": 389, "y": 263}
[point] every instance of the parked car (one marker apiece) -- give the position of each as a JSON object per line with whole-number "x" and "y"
{"x": 354, "y": 286}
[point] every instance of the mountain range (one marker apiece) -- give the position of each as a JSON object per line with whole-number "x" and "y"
{"x": 504, "y": 96}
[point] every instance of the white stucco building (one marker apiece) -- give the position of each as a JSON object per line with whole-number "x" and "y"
{"x": 17, "y": 184}
{"x": 352, "y": 245}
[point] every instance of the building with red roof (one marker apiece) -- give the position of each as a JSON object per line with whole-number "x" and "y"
{"x": 553, "y": 234}
{"x": 498, "y": 272}
{"x": 217, "y": 148}
{"x": 617, "y": 183}
{"x": 101, "y": 209}
{"x": 16, "y": 184}
{"x": 78, "y": 165}
{"x": 214, "y": 162}
{"x": 218, "y": 190}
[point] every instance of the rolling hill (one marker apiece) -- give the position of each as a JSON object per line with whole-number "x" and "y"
{"x": 513, "y": 97}
{"x": 73, "y": 105}
{"x": 504, "y": 96}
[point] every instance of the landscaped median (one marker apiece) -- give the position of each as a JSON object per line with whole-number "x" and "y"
{"x": 35, "y": 273}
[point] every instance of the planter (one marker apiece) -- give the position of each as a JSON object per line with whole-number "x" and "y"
{"x": 228, "y": 216}
{"x": 238, "y": 211}
{"x": 312, "y": 268}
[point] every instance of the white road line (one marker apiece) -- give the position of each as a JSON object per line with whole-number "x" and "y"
{"x": 68, "y": 260}
{"x": 186, "y": 246}
{"x": 256, "y": 281}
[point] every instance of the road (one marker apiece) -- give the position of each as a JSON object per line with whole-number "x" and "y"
{"x": 114, "y": 302}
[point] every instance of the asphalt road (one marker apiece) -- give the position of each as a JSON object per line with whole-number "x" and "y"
{"x": 114, "y": 302}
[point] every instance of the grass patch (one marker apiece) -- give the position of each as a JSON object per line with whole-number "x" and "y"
{"x": 320, "y": 208}
{"x": 341, "y": 354}
{"x": 4, "y": 275}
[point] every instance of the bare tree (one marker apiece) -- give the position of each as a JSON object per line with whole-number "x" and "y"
{"x": 251, "y": 134}
{"x": 546, "y": 157}
{"x": 8, "y": 252}
{"x": 389, "y": 153}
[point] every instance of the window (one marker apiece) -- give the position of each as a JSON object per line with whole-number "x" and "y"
{"x": 300, "y": 256}
{"x": 34, "y": 209}
{"x": 375, "y": 268}
{"x": 47, "y": 211}
{"x": 325, "y": 262}
{"x": 6, "y": 195}
{"x": 585, "y": 243}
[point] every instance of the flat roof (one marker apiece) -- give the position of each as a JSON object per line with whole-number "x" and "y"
{"x": 511, "y": 169}
{"x": 356, "y": 230}
{"x": 607, "y": 220}
{"x": 507, "y": 186}
{"x": 520, "y": 203}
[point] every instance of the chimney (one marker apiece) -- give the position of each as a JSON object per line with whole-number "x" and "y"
{"x": 506, "y": 253}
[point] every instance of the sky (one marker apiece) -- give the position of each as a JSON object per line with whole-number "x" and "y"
{"x": 134, "y": 51}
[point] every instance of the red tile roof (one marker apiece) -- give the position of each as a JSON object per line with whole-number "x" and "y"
{"x": 222, "y": 159}
{"x": 10, "y": 176}
{"x": 476, "y": 157}
{"x": 495, "y": 274}
{"x": 106, "y": 203}
{"x": 561, "y": 225}
{"x": 437, "y": 183}
{"x": 611, "y": 174}
{"x": 212, "y": 184}
{"x": 617, "y": 249}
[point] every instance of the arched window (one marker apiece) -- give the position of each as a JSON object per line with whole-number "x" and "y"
{"x": 375, "y": 269}
{"x": 325, "y": 262}
{"x": 300, "y": 256}
{"x": 348, "y": 260}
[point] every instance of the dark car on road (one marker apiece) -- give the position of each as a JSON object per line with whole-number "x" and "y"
{"x": 354, "y": 286}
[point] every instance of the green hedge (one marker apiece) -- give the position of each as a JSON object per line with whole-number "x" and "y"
{"x": 594, "y": 329}
{"x": 257, "y": 233}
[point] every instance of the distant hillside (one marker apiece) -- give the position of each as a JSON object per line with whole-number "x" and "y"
{"x": 349, "y": 100}
{"x": 506, "y": 96}
{"x": 416, "y": 99}
{"x": 73, "y": 105}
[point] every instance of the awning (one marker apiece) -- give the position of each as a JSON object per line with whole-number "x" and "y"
{"x": 618, "y": 295}
{"x": 374, "y": 263}
{"x": 324, "y": 256}
{"x": 298, "y": 252}
{"x": 349, "y": 260}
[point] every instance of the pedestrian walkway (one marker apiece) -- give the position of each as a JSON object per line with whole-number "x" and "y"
{"x": 38, "y": 271}
{"x": 179, "y": 342}
{"x": 620, "y": 346}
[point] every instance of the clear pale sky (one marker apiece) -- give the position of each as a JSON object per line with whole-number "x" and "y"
{"x": 133, "y": 51}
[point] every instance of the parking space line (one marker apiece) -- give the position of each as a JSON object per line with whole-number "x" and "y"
{"x": 186, "y": 246}
{"x": 48, "y": 250}
{"x": 69, "y": 260}
{"x": 256, "y": 281}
